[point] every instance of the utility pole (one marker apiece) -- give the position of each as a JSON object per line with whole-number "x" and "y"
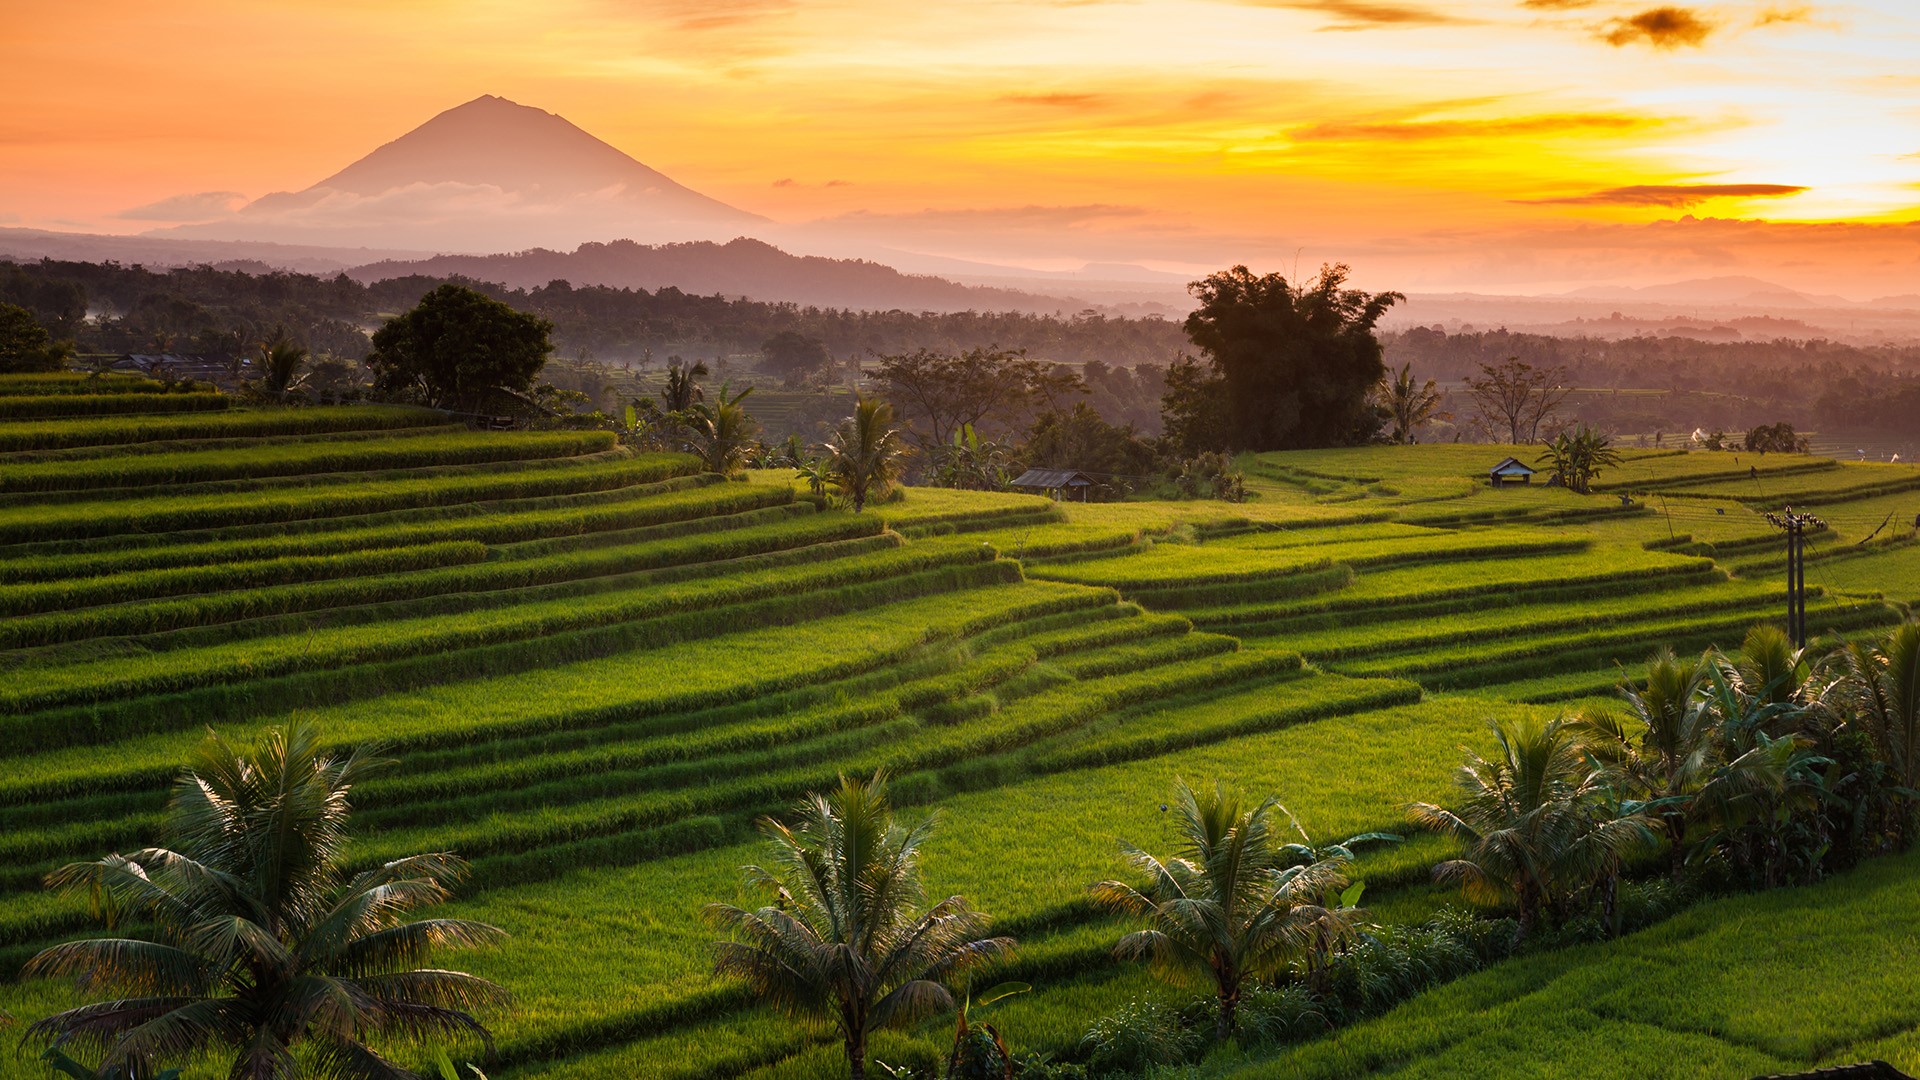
{"x": 1796, "y": 527}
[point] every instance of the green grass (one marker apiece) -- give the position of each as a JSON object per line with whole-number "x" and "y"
{"x": 16, "y": 407}
{"x": 296, "y": 458}
{"x": 581, "y": 519}
{"x": 69, "y": 520}
{"x": 56, "y": 434}
{"x": 1778, "y": 982}
{"x": 69, "y": 382}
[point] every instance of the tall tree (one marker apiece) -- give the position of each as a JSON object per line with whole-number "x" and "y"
{"x": 280, "y": 360}
{"x": 1193, "y": 409}
{"x": 25, "y": 345}
{"x": 258, "y": 944}
{"x": 1517, "y": 397}
{"x": 1409, "y": 405}
{"x": 843, "y": 937}
{"x": 458, "y": 349}
{"x": 722, "y": 431}
{"x": 1878, "y": 685}
{"x": 794, "y": 356}
{"x": 1297, "y": 360}
{"x": 985, "y": 388}
{"x": 1232, "y": 904}
{"x": 864, "y": 455}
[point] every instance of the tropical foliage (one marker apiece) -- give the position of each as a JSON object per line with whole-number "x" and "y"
{"x": 259, "y": 945}
{"x": 1578, "y": 457}
{"x": 844, "y": 938}
{"x": 865, "y": 454}
{"x": 1232, "y": 903}
{"x": 1409, "y": 404}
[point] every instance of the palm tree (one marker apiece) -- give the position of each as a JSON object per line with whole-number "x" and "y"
{"x": 1577, "y": 459}
{"x": 844, "y": 939}
{"x": 1409, "y": 404}
{"x": 1535, "y": 822}
{"x": 257, "y": 946}
{"x": 864, "y": 454}
{"x": 683, "y": 391}
{"x": 722, "y": 432}
{"x": 1878, "y": 686}
{"x": 1231, "y": 904}
{"x": 280, "y": 361}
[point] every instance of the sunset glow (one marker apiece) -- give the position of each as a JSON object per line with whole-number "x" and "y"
{"x": 1431, "y": 144}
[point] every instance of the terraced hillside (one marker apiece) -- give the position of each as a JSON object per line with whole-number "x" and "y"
{"x": 596, "y": 668}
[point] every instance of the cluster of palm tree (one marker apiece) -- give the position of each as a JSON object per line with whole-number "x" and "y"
{"x": 253, "y": 941}
{"x": 1579, "y": 456}
{"x": 1763, "y": 766}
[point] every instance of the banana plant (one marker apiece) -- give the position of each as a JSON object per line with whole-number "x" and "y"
{"x": 979, "y": 1053}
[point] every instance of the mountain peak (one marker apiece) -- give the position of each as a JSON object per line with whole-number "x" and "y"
{"x": 488, "y": 174}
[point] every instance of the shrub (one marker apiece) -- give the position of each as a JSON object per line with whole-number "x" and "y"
{"x": 1141, "y": 1035}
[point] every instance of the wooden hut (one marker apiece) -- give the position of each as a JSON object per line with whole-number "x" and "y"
{"x": 1510, "y": 471}
{"x": 1055, "y": 481}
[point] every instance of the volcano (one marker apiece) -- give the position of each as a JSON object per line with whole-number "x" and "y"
{"x": 490, "y": 175}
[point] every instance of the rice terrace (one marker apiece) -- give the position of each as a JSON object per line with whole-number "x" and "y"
{"x": 1164, "y": 540}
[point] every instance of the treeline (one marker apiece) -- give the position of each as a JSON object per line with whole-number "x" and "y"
{"x": 211, "y": 310}
{"x": 1815, "y": 385}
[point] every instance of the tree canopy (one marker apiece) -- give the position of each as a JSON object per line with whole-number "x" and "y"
{"x": 1294, "y": 363}
{"x": 25, "y": 345}
{"x": 458, "y": 348}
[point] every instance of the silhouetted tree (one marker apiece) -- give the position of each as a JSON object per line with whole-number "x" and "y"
{"x": 1517, "y": 396}
{"x": 1296, "y": 361}
{"x": 793, "y": 356}
{"x": 457, "y": 348}
{"x": 24, "y": 344}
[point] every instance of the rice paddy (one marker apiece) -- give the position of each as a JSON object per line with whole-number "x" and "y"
{"x": 597, "y": 668}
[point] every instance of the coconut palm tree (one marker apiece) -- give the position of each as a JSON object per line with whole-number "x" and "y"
{"x": 280, "y": 362}
{"x": 864, "y": 455}
{"x": 1535, "y": 821}
{"x": 683, "y": 388}
{"x": 1878, "y": 688}
{"x": 257, "y": 944}
{"x": 1230, "y": 904}
{"x": 722, "y": 432}
{"x": 844, "y": 938}
{"x": 1409, "y": 404}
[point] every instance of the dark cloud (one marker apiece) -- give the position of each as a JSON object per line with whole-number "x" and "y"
{"x": 1677, "y": 196}
{"x": 1661, "y": 27}
{"x": 1515, "y": 126}
{"x": 200, "y": 206}
{"x": 786, "y": 181}
{"x": 1061, "y": 100}
{"x": 1365, "y": 15}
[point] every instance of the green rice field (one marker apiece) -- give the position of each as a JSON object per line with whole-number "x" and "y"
{"x": 597, "y": 668}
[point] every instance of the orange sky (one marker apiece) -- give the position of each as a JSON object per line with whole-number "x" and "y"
{"x": 1495, "y": 144}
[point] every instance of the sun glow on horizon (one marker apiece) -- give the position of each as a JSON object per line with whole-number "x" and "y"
{"x": 1161, "y": 132}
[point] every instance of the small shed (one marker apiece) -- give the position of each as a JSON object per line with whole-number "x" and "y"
{"x": 1510, "y": 471}
{"x": 1056, "y": 480}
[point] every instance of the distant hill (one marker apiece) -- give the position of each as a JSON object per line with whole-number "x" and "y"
{"x": 489, "y": 175}
{"x": 741, "y": 267}
{"x": 1735, "y": 289}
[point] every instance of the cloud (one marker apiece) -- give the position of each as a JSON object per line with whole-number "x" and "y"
{"x": 786, "y": 181}
{"x": 201, "y": 206}
{"x": 839, "y": 183}
{"x": 1060, "y": 100}
{"x": 1367, "y": 15}
{"x": 1802, "y": 13}
{"x": 1678, "y": 196}
{"x": 1516, "y": 126}
{"x": 1555, "y": 5}
{"x": 1661, "y": 27}
{"x": 1042, "y": 216}
{"x": 790, "y": 182}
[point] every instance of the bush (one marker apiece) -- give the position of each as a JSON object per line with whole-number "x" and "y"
{"x": 1140, "y": 1036}
{"x": 1275, "y": 1016}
